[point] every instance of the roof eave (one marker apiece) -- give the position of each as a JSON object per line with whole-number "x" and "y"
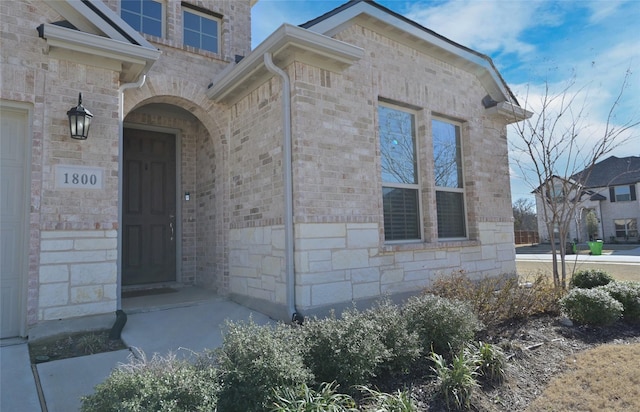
{"x": 287, "y": 43}
{"x": 97, "y": 18}
{"x": 510, "y": 112}
{"x": 134, "y": 60}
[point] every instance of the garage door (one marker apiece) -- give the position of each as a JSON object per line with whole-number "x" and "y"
{"x": 13, "y": 214}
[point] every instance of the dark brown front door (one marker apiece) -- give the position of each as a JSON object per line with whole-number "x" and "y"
{"x": 149, "y": 208}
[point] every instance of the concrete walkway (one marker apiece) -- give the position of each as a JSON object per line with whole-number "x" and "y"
{"x": 181, "y": 330}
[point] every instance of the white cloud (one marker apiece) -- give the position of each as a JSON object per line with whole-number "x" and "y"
{"x": 490, "y": 26}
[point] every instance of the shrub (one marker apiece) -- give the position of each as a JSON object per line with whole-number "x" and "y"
{"x": 304, "y": 399}
{"x": 591, "y": 306}
{"x": 441, "y": 324}
{"x": 255, "y": 360}
{"x": 162, "y": 384}
{"x": 590, "y": 278}
{"x": 348, "y": 350}
{"x": 403, "y": 345}
{"x": 457, "y": 381}
{"x": 490, "y": 361}
{"x": 500, "y": 298}
{"x": 627, "y": 293}
{"x": 375, "y": 401}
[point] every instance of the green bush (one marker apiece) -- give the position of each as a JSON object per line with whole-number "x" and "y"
{"x": 162, "y": 384}
{"x": 304, "y": 399}
{"x": 457, "y": 381}
{"x": 441, "y": 324}
{"x": 402, "y": 344}
{"x": 627, "y": 293}
{"x": 590, "y": 278}
{"x": 591, "y": 306}
{"x": 348, "y": 350}
{"x": 255, "y": 360}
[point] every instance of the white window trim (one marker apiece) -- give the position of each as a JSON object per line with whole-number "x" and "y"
{"x": 418, "y": 185}
{"x": 452, "y": 189}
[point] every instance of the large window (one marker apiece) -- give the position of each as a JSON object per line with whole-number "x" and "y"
{"x": 200, "y": 30}
{"x": 626, "y": 228}
{"x": 447, "y": 169}
{"x": 143, "y": 15}
{"x": 400, "y": 190}
{"x": 622, "y": 193}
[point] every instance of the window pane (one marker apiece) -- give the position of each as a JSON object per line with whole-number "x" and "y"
{"x": 132, "y": 20}
{"x": 191, "y": 38}
{"x": 152, "y": 27}
{"x": 401, "y": 216}
{"x": 209, "y": 43}
{"x": 632, "y": 228}
{"x": 209, "y": 27}
{"x": 152, "y": 9}
{"x": 451, "y": 222}
{"x": 397, "y": 146}
{"x": 132, "y": 6}
{"x": 447, "y": 162}
{"x": 191, "y": 21}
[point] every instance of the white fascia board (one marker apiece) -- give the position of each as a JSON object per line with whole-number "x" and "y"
{"x": 284, "y": 37}
{"x": 78, "y": 41}
{"x": 509, "y": 111}
{"x": 85, "y": 19}
{"x": 334, "y": 24}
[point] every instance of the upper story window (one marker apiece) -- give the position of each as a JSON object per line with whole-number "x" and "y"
{"x": 145, "y": 16}
{"x": 399, "y": 167}
{"x": 201, "y": 29}
{"x": 449, "y": 182}
{"x": 622, "y": 193}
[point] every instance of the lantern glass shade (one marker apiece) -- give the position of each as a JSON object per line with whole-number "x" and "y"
{"x": 79, "y": 120}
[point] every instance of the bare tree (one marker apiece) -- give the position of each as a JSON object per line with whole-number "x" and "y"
{"x": 524, "y": 215}
{"x": 553, "y": 147}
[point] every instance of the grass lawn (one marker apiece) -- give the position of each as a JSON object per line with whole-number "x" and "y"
{"x": 623, "y": 272}
{"x": 602, "y": 379}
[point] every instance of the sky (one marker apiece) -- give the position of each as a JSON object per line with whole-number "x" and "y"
{"x": 533, "y": 43}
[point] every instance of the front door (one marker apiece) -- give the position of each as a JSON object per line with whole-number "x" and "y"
{"x": 149, "y": 208}
{"x": 13, "y": 211}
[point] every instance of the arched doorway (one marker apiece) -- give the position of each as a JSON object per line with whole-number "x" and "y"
{"x": 159, "y": 216}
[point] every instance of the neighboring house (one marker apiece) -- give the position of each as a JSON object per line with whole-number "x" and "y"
{"x": 608, "y": 208}
{"x": 357, "y": 155}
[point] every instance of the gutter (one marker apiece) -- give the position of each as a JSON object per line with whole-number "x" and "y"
{"x": 290, "y": 273}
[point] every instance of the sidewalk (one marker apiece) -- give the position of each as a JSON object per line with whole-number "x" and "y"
{"x": 65, "y": 381}
{"x": 611, "y": 255}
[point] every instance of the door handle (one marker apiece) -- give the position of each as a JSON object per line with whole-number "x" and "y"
{"x": 171, "y": 227}
{"x": 171, "y": 219}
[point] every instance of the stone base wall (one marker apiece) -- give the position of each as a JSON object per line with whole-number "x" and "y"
{"x": 257, "y": 263}
{"x": 78, "y": 273}
{"x": 337, "y": 263}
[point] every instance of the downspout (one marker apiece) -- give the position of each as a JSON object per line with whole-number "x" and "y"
{"x": 121, "y": 317}
{"x": 288, "y": 189}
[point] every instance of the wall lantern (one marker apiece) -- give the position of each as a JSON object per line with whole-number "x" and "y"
{"x": 79, "y": 120}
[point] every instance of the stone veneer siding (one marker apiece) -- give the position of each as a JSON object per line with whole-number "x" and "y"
{"x": 78, "y": 273}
